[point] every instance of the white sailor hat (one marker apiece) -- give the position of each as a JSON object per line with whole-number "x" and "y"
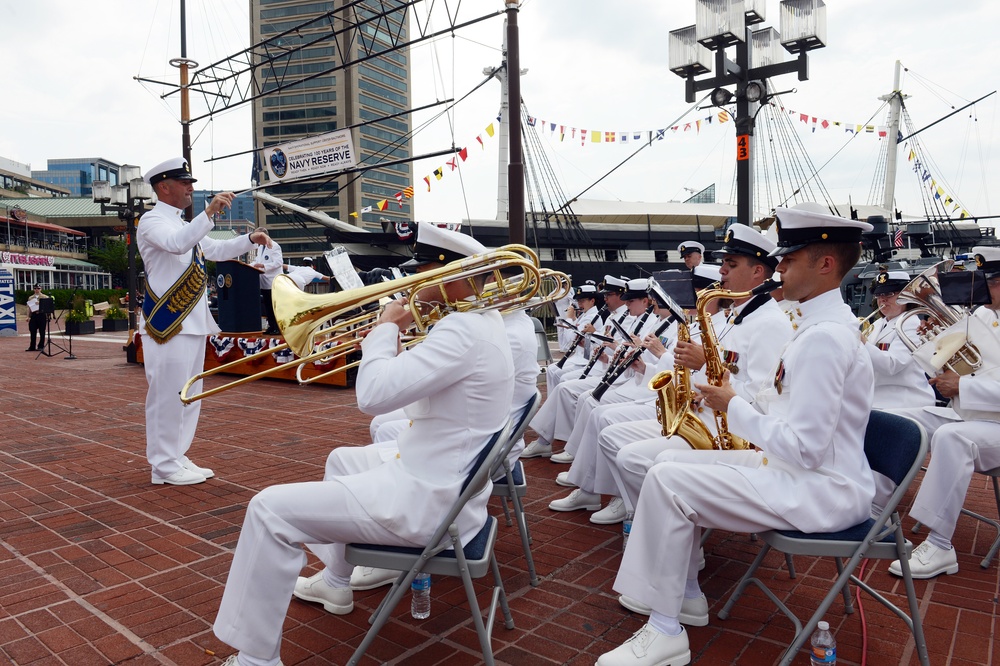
{"x": 614, "y": 284}
{"x": 809, "y": 223}
{"x": 704, "y": 275}
{"x": 307, "y": 260}
{"x": 637, "y": 288}
{"x": 987, "y": 259}
{"x": 437, "y": 245}
{"x": 741, "y": 239}
{"x": 687, "y": 247}
{"x": 890, "y": 282}
{"x": 176, "y": 168}
{"x": 586, "y": 290}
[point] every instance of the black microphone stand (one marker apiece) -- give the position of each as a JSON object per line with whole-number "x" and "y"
{"x": 48, "y": 305}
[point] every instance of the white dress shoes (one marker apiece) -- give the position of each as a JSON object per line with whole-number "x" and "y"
{"x": 612, "y": 514}
{"x": 234, "y": 661}
{"x": 368, "y": 578}
{"x": 182, "y": 477}
{"x": 562, "y": 458}
{"x": 927, "y": 561}
{"x": 648, "y": 647}
{"x": 577, "y": 500}
{"x": 204, "y": 471}
{"x": 562, "y": 478}
{"x": 336, "y": 600}
{"x": 537, "y": 449}
{"x": 694, "y": 612}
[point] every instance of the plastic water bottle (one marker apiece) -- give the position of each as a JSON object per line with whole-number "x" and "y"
{"x": 824, "y": 647}
{"x": 420, "y": 597}
{"x": 626, "y": 528}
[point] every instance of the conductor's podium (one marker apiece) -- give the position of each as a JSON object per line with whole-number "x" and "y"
{"x": 228, "y": 347}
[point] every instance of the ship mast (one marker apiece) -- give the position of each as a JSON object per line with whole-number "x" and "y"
{"x": 895, "y": 99}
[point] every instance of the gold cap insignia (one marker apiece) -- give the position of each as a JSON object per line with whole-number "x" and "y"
{"x": 980, "y": 260}
{"x": 882, "y": 278}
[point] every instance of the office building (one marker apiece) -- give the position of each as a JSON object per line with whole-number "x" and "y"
{"x": 363, "y": 93}
{"x": 242, "y": 209}
{"x": 78, "y": 174}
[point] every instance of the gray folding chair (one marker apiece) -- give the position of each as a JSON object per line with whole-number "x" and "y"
{"x": 993, "y": 474}
{"x": 895, "y": 446}
{"x": 445, "y": 556}
{"x": 511, "y": 483}
{"x": 544, "y": 354}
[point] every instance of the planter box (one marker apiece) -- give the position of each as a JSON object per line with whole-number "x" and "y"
{"x": 111, "y": 325}
{"x": 80, "y": 327}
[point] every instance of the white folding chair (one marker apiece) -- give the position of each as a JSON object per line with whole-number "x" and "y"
{"x": 895, "y": 446}
{"x": 444, "y": 556}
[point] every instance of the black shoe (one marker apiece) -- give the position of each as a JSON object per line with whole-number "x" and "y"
{"x": 272, "y": 331}
{"x": 30, "y": 349}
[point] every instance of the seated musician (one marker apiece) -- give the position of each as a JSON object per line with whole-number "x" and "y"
{"x": 691, "y": 253}
{"x": 899, "y": 380}
{"x": 590, "y": 317}
{"x": 810, "y": 473}
{"x": 544, "y": 424}
{"x": 305, "y": 274}
{"x": 749, "y": 335}
{"x": 964, "y": 439}
{"x": 457, "y": 386}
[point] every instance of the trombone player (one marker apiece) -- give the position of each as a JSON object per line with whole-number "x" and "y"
{"x": 958, "y": 447}
{"x": 456, "y": 387}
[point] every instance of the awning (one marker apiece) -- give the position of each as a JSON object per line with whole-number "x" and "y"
{"x": 46, "y": 226}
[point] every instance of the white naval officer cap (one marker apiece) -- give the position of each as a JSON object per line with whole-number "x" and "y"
{"x": 614, "y": 284}
{"x": 705, "y": 274}
{"x": 586, "y": 290}
{"x": 438, "y": 245}
{"x": 741, "y": 239}
{"x": 808, "y": 223}
{"x": 176, "y": 168}
{"x": 890, "y": 282}
{"x": 637, "y": 288}
{"x": 687, "y": 247}
{"x": 987, "y": 259}
{"x": 307, "y": 260}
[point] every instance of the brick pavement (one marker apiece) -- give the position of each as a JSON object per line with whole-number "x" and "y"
{"x": 99, "y": 567}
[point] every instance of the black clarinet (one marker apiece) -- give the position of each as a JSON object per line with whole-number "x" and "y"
{"x": 623, "y": 347}
{"x": 627, "y": 362}
{"x": 595, "y": 355}
{"x": 579, "y": 338}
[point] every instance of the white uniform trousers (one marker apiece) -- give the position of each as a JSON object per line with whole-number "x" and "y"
{"x": 585, "y": 406}
{"x": 958, "y": 449}
{"x": 571, "y": 370}
{"x": 589, "y": 470}
{"x": 678, "y": 499}
{"x": 379, "y": 420}
{"x": 630, "y": 449}
{"x": 554, "y": 411}
{"x": 269, "y": 556}
{"x": 170, "y": 424}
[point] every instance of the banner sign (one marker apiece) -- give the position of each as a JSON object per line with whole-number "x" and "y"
{"x": 26, "y": 259}
{"x": 8, "y": 318}
{"x": 315, "y": 156}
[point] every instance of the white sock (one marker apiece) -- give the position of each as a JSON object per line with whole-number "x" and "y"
{"x": 939, "y": 541}
{"x": 247, "y": 660}
{"x": 691, "y": 589}
{"x": 665, "y": 624}
{"x": 334, "y": 581}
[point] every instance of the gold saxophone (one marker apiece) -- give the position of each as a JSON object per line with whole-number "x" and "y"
{"x": 714, "y": 368}
{"x": 673, "y": 402}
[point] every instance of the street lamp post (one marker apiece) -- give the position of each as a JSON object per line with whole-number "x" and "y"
{"x": 129, "y": 202}
{"x": 721, "y": 24}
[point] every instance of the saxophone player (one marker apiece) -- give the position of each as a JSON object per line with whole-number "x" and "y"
{"x": 811, "y": 473}
{"x": 959, "y": 446}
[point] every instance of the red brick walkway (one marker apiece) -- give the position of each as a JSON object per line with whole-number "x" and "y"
{"x": 99, "y": 567}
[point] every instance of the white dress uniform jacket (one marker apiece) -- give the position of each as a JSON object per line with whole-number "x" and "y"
{"x": 165, "y": 241}
{"x": 270, "y": 258}
{"x": 899, "y": 380}
{"x": 303, "y": 275}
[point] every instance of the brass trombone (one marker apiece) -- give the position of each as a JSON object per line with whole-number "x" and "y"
{"x": 555, "y": 285}
{"x": 305, "y": 318}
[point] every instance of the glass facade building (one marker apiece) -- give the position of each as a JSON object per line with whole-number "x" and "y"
{"x": 78, "y": 174}
{"x": 362, "y": 93}
{"x": 241, "y": 210}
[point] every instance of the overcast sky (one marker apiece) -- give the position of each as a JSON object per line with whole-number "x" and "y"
{"x": 69, "y": 92}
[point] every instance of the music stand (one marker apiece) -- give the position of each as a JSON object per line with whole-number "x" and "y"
{"x": 48, "y": 306}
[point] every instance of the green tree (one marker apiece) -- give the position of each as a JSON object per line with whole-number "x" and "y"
{"x": 112, "y": 256}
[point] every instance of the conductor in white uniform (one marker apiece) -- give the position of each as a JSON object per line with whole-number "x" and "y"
{"x": 176, "y": 315}
{"x": 456, "y": 386}
{"x": 810, "y": 473}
